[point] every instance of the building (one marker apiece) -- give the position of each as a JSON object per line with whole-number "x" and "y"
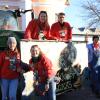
{"x": 83, "y": 34}
{"x": 51, "y": 6}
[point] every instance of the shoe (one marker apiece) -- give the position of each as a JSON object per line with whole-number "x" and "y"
{"x": 97, "y": 93}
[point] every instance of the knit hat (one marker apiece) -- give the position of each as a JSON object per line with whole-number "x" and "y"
{"x": 11, "y": 39}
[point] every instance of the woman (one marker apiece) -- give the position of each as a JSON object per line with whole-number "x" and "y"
{"x": 42, "y": 67}
{"x": 38, "y": 28}
{"x": 9, "y": 63}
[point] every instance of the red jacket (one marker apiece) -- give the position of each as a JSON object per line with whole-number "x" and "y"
{"x": 56, "y": 31}
{"x": 43, "y": 68}
{"x": 6, "y": 72}
{"x": 33, "y": 29}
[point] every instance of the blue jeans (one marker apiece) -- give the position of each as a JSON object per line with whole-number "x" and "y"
{"x": 51, "y": 93}
{"x": 9, "y": 88}
{"x": 95, "y": 80}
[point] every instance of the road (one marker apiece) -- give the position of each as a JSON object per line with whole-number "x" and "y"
{"x": 78, "y": 94}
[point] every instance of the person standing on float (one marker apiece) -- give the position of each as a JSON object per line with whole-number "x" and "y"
{"x": 38, "y": 29}
{"x": 61, "y": 30}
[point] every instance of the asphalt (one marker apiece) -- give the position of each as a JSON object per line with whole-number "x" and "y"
{"x": 83, "y": 93}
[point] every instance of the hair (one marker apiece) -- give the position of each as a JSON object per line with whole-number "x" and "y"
{"x": 36, "y": 59}
{"x": 33, "y": 46}
{"x": 61, "y": 13}
{"x": 46, "y": 16}
{"x": 95, "y": 36}
{"x": 43, "y": 12}
{"x": 45, "y": 24}
{"x": 16, "y": 51}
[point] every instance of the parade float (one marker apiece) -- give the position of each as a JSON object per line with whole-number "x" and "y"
{"x": 58, "y": 52}
{"x": 9, "y": 27}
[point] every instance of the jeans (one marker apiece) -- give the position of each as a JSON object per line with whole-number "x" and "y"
{"x": 51, "y": 93}
{"x": 95, "y": 79}
{"x": 9, "y": 88}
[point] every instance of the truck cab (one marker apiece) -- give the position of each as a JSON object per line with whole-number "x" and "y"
{"x": 8, "y": 20}
{"x": 9, "y": 27}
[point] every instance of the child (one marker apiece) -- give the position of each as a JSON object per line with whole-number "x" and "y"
{"x": 9, "y": 63}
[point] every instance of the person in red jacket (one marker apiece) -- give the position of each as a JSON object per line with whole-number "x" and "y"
{"x": 9, "y": 65}
{"x": 61, "y": 30}
{"x": 38, "y": 28}
{"x": 42, "y": 66}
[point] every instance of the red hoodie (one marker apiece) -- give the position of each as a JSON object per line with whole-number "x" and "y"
{"x": 57, "y": 29}
{"x": 43, "y": 68}
{"x": 33, "y": 29}
{"x": 6, "y": 72}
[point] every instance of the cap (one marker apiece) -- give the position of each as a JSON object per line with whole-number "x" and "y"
{"x": 11, "y": 39}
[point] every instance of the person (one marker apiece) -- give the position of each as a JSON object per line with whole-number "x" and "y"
{"x": 61, "y": 30}
{"x": 94, "y": 63}
{"x": 38, "y": 28}
{"x": 10, "y": 69}
{"x": 42, "y": 67}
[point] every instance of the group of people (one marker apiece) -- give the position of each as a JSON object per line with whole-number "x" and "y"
{"x": 11, "y": 68}
{"x": 40, "y": 28}
{"x": 10, "y": 60}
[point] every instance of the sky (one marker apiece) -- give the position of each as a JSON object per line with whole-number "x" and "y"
{"x": 74, "y": 13}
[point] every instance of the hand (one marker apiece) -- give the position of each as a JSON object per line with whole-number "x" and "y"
{"x": 57, "y": 80}
{"x": 19, "y": 69}
{"x": 46, "y": 87}
{"x": 22, "y": 71}
{"x": 27, "y": 40}
{"x": 35, "y": 83}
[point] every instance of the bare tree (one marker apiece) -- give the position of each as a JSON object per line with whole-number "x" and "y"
{"x": 92, "y": 12}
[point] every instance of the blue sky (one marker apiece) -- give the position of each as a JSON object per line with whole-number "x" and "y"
{"x": 74, "y": 13}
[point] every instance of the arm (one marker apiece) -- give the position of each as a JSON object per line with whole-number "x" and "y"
{"x": 1, "y": 59}
{"x": 24, "y": 66}
{"x": 69, "y": 32}
{"x": 53, "y": 32}
{"x": 18, "y": 63}
{"x": 48, "y": 69}
{"x": 90, "y": 54}
{"x": 47, "y": 32}
{"x": 29, "y": 30}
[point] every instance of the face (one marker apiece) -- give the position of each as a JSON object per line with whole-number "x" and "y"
{"x": 95, "y": 40}
{"x": 61, "y": 18}
{"x": 43, "y": 17}
{"x": 35, "y": 52}
{"x": 12, "y": 45}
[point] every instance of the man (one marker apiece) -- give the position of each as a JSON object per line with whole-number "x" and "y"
{"x": 94, "y": 63}
{"x": 61, "y": 30}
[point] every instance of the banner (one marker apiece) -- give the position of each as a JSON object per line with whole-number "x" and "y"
{"x": 53, "y": 50}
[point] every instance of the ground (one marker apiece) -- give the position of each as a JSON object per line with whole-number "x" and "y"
{"x": 79, "y": 94}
